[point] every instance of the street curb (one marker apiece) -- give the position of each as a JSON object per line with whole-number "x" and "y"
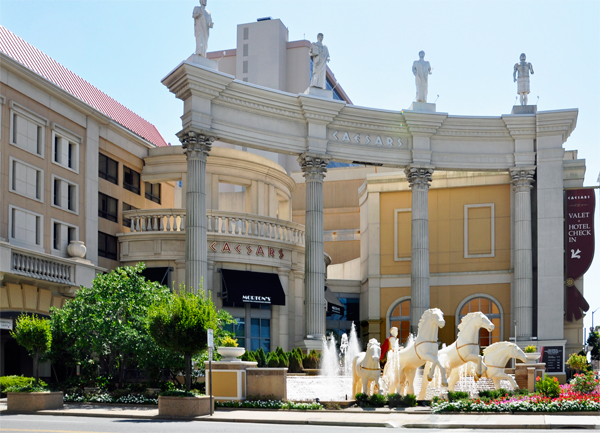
{"x": 518, "y": 427}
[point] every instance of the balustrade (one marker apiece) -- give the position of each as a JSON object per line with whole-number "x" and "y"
{"x": 41, "y": 268}
{"x": 219, "y": 222}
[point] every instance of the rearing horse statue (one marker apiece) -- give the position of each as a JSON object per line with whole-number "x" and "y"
{"x": 464, "y": 349}
{"x": 418, "y": 352}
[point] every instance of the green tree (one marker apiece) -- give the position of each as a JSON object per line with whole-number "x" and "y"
{"x": 179, "y": 324}
{"x": 594, "y": 343}
{"x": 107, "y": 322}
{"x": 33, "y": 334}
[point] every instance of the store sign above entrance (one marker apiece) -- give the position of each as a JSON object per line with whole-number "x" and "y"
{"x": 364, "y": 139}
{"x": 580, "y": 205}
{"x": 258, "y": 250}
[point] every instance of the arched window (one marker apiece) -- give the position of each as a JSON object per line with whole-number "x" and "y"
{"x": 491, "y": 308}
{"x": 400, "y": 318}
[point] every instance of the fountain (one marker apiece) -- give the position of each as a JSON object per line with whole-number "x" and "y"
{"x": 334, "y": 382}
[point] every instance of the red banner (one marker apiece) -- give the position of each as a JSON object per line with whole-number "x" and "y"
{"x": 579, "y": 246}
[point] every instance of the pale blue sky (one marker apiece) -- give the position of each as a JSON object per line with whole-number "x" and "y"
{"x": 126, "y": 47}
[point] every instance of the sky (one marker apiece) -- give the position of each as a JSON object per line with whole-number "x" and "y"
{"x": 126, "y": 47}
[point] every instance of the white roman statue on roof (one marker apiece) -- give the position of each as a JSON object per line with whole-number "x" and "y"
{"x": 202, "y": 25}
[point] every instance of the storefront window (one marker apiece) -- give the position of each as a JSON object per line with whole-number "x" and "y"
{"x": 260, "y": 334}
{"x": 400, "y": 318}
{"x": 238, "y": 329}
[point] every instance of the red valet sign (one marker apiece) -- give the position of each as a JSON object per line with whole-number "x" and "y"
{"x": 579, "y": 246}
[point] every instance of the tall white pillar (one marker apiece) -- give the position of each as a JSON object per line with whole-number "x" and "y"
{"x": 196, "y": 146}
{"x": 314, "y": 168}
{"x": 522, "y": 179}
{"x": 419, "y": 178}
{"x": 284, "y": 275}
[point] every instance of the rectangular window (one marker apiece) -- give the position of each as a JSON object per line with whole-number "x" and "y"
{"x": 108, "y": 169}
{"x": 65, "y": 146}
{"x": 127, "y": 221}
{"x": 62, "y": 235}
{"x": 26, "y": 179}
{"x": 107, "y": 246}
{"x": 27, "y": 129}
{"x": 245, "y": 52}
{"x": 25, "y": 227}
{"x": 107, "y": 207}
{"x": 153, "y": 192}
{"x": 260, "y": 334}
{"x": 245, "y": 67}
{"x": 131, "y": 180}
{"x": 246, "y": 29}
{"x": 64, "y": 194}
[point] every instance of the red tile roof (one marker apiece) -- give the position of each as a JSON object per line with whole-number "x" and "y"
{"x": 43, "y": 65}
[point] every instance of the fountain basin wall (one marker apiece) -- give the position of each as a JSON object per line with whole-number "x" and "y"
{"x": 271, "y": 382}
{"x": 229, "y": 379}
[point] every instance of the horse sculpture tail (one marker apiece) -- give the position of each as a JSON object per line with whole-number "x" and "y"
{"x": 355, "y": 377}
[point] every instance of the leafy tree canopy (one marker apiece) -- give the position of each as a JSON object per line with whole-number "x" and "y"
{"x": 33, "y": 333}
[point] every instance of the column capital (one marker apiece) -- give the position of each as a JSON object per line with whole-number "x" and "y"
{"x": 196, "y": 141}
{"x": 419, "y": 175}
{"x": 522, "y": 178}
{"x": 314, "y": 166}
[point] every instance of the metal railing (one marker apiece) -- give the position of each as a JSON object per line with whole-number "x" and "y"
{"x": 218, "y": 222}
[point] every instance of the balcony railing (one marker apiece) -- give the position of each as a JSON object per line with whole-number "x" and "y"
{"x": 218, "y": 222}
{"x": 41, "y": 268}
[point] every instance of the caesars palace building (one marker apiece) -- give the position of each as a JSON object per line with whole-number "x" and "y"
{"x": 299, "y": 211}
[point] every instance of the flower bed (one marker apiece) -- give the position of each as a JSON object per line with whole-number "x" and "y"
{"x": 269, "y": 404}
{"x": 582, "y": 395}
{"x": 105, "y": 397}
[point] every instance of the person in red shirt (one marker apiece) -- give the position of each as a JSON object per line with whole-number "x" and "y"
{"x": 388, "y": 345}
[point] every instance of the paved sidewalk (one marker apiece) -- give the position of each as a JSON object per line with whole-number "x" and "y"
{"x": 413, "y": 418}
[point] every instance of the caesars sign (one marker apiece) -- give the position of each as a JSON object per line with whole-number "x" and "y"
{"x": 579, "y": 246}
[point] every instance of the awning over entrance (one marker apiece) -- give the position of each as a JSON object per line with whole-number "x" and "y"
{"x": 333, "y": 303}
{"x": 252, "y": 287}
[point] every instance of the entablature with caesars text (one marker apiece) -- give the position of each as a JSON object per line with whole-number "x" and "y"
{"x": 366, "y": 138}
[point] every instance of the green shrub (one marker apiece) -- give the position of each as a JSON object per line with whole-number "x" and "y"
{"x": 530, "y": 349}
{"x": 585, "y": 383}
{"x": 311, "y": 360}
{"x": 273, "y": 360}
{"x": 261, "y": 357}
{"x": 361, "y": 399}
{"x": 377, "y": 400}
{"x": 395, "y": 400}
{"x": 548, "y": 386}
{"x": 27, "y": 388}
{"x": 284, "y": 360}
{"x": 457, "y": 395}
{"x": 177, "y": 393}
{"x": 16, "y": 381}
{"x": 520, "y": 391}
{"x": 409, "y": 400}
{"x": 494, "y": 394}
{"x": 248, "y": 356}
{"x": 34, "y": 334}
{"x": 578, "y": 362}
{"x": 228, "y": 341}
{"x": 295, "y": 364}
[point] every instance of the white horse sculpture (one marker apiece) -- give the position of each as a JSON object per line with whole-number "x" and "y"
{"x": 366, "y": 368}
{"x": 495, "y": 358}
{"x": 464, "y": 349}
{"x": 423, "y": 349}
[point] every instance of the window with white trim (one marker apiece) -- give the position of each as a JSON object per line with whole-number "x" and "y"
{"x": 26, "y": 228}
{"x": 62, "y": 235}
{"x": 2, "y": 102}
{"x": 64, "y": 194}
{"x": 27, "y": 129}
{"x": 26, "y": 180}
{"x": 400, "y": 318}
{"x": 65, "y": 148}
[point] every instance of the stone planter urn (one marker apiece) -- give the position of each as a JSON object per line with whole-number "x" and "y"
{"x": 230, "y": 353}
{"x": 77, "y": 249}
{"x": 21, "y": 402}
{"x": 532, "y": 358}
{"x": 183, "y": 407}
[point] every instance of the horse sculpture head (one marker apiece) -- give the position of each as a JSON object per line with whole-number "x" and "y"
{"x": 373, "y": 349}
{"x": 476, "y": 319}
{"x": 518, "y": 353}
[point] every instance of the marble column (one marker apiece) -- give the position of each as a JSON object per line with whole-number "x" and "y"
{"x": 314, "y": 168}
{"x": 419, "y": 178}
{"x": 522, "y": 179}
{"x": 196, "y": 146}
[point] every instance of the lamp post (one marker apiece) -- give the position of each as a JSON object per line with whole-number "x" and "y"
{"x": 593, "y": 317}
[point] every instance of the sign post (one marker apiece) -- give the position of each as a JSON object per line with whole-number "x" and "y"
{"x": 211, "y": 346}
